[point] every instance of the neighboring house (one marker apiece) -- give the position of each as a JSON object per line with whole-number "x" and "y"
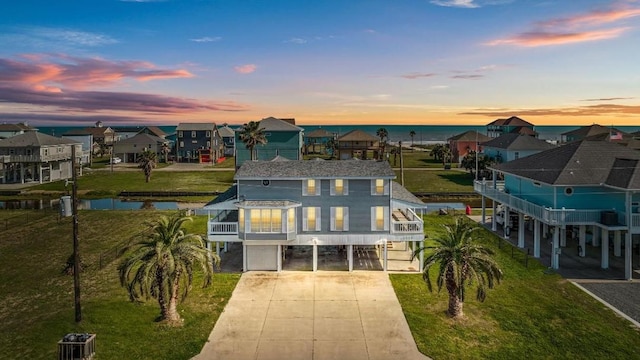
{"x": 588, "y": 132}
{"x": 35, "y": 156}
{"x": 125, "y": 132}
{"x": 229, "y": 139}
{"x": 86, "y": 138}
{"x": 359, "y": 145}
{"x": 513, "y": 146}
{"x": 583, "y": 187}
{"x": 275, "y": 204}
{"x": 465, "y": 143}
{"x": 283, "y": 139}
{"x": 101, "y": 135}
{"x": 9, "y": 130}
{"x": 129, "y": 149}
{"x": 198, "y": 142}
{"x": 513, "y": 124}
{"x": 315, "y": 142}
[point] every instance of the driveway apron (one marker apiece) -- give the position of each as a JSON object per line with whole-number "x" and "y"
{"x": 306, "y": 315}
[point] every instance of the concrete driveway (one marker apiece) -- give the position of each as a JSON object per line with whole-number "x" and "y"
{"x": 306, "y": 315}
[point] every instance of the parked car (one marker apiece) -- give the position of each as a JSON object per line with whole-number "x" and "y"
{"x": 115, "y": 160}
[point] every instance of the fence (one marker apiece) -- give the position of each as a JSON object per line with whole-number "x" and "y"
{"x": 508, "y": 247}
{"x": 25, "y": 218}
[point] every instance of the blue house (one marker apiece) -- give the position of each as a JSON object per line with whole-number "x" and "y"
{"x": 513, "y": 146}
{"x": 228, "y": 139}
{"x": 586, "y": 187}
{"x": 284, "y": 139}
{"x": 511, "y": 125}
{"x": 315, "y": 203}
{"x": 198, "y": 142}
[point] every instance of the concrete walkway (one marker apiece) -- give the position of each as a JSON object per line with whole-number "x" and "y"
{"x": 306, "y": 315}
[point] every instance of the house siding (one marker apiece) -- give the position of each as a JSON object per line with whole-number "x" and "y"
{"x": 287, "y": 144}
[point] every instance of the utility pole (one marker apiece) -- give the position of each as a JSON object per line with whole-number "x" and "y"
{"x": 477, "y": 154}
{"x": 76, "y": 254}
{"x": 401, "y": 164}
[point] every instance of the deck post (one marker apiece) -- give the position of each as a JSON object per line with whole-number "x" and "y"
{"x": 244, "y": 258}
{"x": 555, "y": 250}
{"x": 315, "y": 257}
{"x": 563, "y": 236}
{"x": 218, "y": 249}
{"x": 605, "y": 249}
{"x": 628, "y": 240}
{"x": 385, "y": 258}
{"x": 494, "y": 224}
{"x": 484, "y": 205}
{"x": 582, "y": 240}
{"x": 536, "y": 238}
{"x": 279, "y": 259}
{"x": 595, "y": 240}
{"x": 350, "y": 256}
{"x": 520, "y": 230}
{"x": 617, "y": 243}
{"x": 226, "y": 246}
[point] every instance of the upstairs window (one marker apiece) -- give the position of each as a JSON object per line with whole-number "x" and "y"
{"x": 379, "y": 218}
{"x": 311, "y": 187}
{"x": 180, "y": 134}
{"x": 339, "y": 218}
{"x": 193, "y": 134}
{"x": 311, "y": 219}
{"x": 266, "y": 220}
{"x": 339, "y": 187}
{"x": 208, "y": 134}
{"x": 379, "y": 187}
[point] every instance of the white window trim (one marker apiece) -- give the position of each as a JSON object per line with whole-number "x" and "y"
{"x": 385, "y": 188}
{"x": 374, "y": 219}
{"x": 345, "y": 188}
{"x": 305, "y": 218}
{"x": 305, "y": 187}
{"x": 345, "y": 222}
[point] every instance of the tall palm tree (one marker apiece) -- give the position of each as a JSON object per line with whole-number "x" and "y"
{"x": 251, "y": 134}
{"x": 462, "y": 262}
{"x": 412, "y": 134}
{"x": 383, "y": 134}
{"x": 147, "y": 162}
{"x": 161, "y": 266}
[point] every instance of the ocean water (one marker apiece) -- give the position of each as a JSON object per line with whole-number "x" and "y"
{"x": 424, "y": 133}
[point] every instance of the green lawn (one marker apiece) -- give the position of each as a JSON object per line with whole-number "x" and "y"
{"x": 106, "y": 183}
{"x": 437, "y": 181}
{"x": 530, "y": 315}
{"x": 37, "y": 299}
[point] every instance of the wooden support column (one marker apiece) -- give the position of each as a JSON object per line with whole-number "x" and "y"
{"x": 494, "y": 224}
{"x": 385, "y": 258}
{"x": 536, "y": 238}
{"x": 279, "y": 259}
{"x": 582, "y": 240}
{"x": 350, "y": 257}
{"x": 595, "y": 240}
{"x": 521, "y": 230}
{"x": 605, "y": 249}
{"x": 218, "y": 249}
{"x": 555, "y": 249}
{"x": 315, "y": 257}
{"x": 563, "y": 237}
{"x": 484, "y": 205}
{"x": 617, "y": 243}
{"x": 244, "y": 258}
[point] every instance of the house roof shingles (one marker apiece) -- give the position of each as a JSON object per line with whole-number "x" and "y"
{"x": 470, "y": 135}
{"x": 273, "y": 124}
{"x": 514, "y": 141}
{"x": 319, "y": 133}
{"x": 300, "y": 169}
{"x": 583, "y": 162}
{"x": 142, "y": 138}
{"x": 357, "y": 135}
{"x": 36, "y": 139}
{"x": 226, "y": 131}
{"x": 512, "y": 121}
{"x": 195, "y": 126}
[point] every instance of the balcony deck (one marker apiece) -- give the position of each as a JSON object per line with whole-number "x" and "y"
{"x": 551, "y": 216}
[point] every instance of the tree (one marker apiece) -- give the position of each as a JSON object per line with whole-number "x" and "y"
{"x": 251, "y": 134}
{"x": 412, "y": 134}
{"x": 462, "y": 263}
{"x": 147, "y": 162}
{"x": 332, "y": 146}
{"x": 469, "y": 162}
{"x": 166, "y": 149}
{"x": 161, "y": 266}
{"x": 383, "y": 134}
{"x": 437, "y": 151}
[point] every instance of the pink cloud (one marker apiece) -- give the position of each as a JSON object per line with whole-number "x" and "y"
{"x": 415, "y": 75}
{"x": 245, "y": 69}
{"x": 573, "y": 29}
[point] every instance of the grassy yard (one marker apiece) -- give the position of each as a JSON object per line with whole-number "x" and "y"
{"x": 37, "y": 298}
{"x": 530, "y": 315}
{"x": 437, "y": 181}
{"x": 105, "y": 183}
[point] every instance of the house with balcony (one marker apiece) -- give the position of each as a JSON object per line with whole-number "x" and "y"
{"x": 513, "y": 146}
{"x": 468, "y": 142}
{"x": 590, "y": 189}
{"x": 510, "y": 125}
{"x": 284, "y": 139}
{"x": 315, "y": 141}
{"x": 198, "y": 143}
{"x": 130, "y": 149}
{"x": 9, "y": 130}
{"x": 228, "y": 139}
{"x": 358, "y": 144}
{"x": 34, "y": 156}
{"x": 277, "y": 204}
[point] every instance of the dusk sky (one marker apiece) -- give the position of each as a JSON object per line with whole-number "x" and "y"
{"x": 451, "y": 62}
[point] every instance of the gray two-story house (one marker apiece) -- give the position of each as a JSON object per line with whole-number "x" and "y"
{"x": 198, "y": 142}
{"x": 276, "y": 204}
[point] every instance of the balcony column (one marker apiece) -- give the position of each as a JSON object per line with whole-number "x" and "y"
{"x": 617, "y": 243}
{"x": 350, "y": 256}
{"x": 595, "y": 240}
{"x": 555, "y": 249}
{"x": 545, "y": 229}
{"x": 218, "y": 249}
{"x": 315, "y": 257}
{"x": 244, "y": 258}
{"x": 536, "y": 238}
{"x": 563, "y": 237}
{"x": 521, "y": 230}
{"x": 484, "y": 205}
{"x": 582, "y": 240}
{"x": 279, "y": 259}
{"x": 505, "y": 222}
{"x": 605, "y": 249}
{"x": 226, "y": 246}
{"x": 384, "y": 256}
{"x": 421, "y": 258}
{"x": 494, "y": 224}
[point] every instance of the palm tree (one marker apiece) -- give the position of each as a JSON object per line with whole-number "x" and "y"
{"x": 251, "y": 135}
{"x": 161, "y": 266}
{"x": 412, "y": 134}
{"x": 383, "y": 134}
{"x": 147, "y": 162}
{"x": 461, "y": 263}
{"x": 332, "y": 147}
{"x": 166, "y": 149}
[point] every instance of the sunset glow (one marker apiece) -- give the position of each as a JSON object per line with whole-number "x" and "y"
{"x": 440, "y": 62}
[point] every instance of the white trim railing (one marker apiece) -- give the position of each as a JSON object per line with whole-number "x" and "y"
{"x": 223, "y": 228}
{"x": 414, "y": 225}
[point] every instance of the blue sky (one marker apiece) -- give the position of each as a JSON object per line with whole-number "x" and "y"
{"x": 451, "y": 62}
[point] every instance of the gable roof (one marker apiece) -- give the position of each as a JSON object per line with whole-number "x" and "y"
{"x": 16, "y": 127}
{"x": 226, "y": 131}
{"x": 515, "y": 141}
{"x": 154, "y": 130}
{"x": 357, "y": 135}
{"x": 586, "y": 131}
{"x": 36, "y": 139}
{"x": 470, "y": 135}
{"x": 195, "y": 126}
{"x": 141, "y": 139}
{"x": 582, "y": 162}
{"x": 512, "y": 121}
{"x": 304, "y": 169}
{"x": 98, "y": 131}
{"x": 273, "y": 124}
{"x": 400, "y": 193}
{"x": 319, "y": 133}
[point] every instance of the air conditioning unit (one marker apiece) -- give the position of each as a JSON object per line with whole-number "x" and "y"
{"x": 608, "y": 218}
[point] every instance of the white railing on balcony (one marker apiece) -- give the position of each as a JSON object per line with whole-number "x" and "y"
{"x": 413, "y": 225}
{"x": 548, "y": 215}
{"x": 34, "y": 158}
{"x": 223, "y": 228}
